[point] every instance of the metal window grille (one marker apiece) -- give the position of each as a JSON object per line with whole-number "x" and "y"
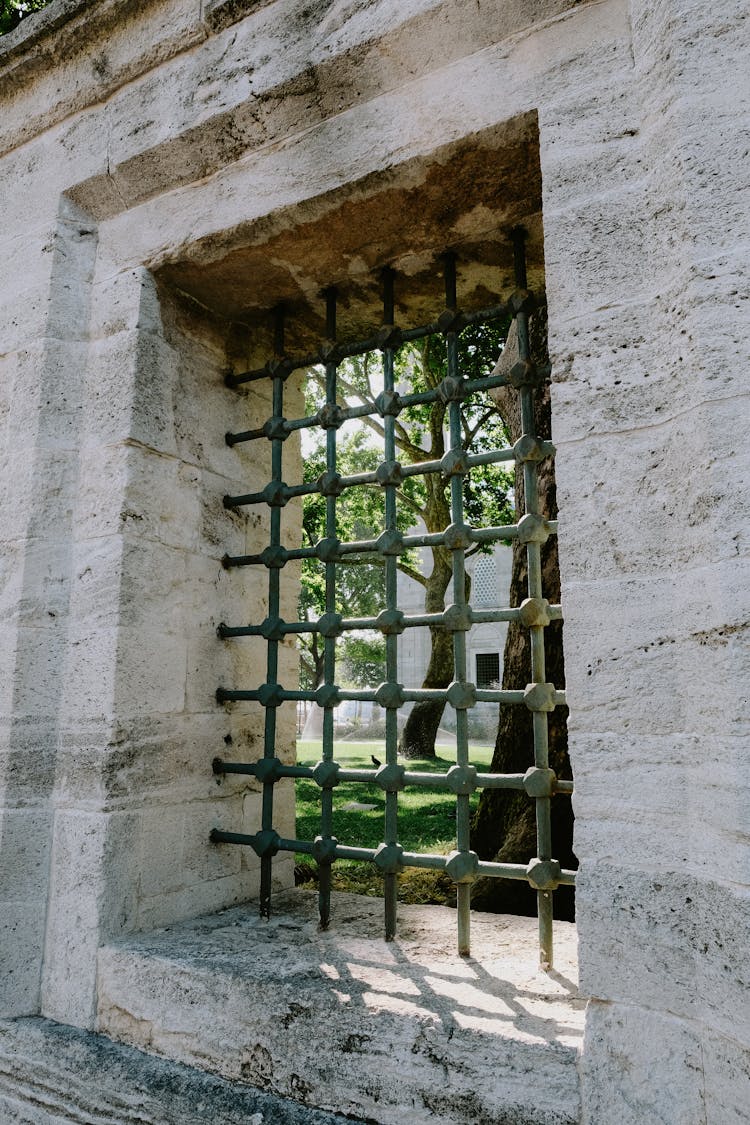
{"x": 488, "y": 669}
{"x": 463, "y": 779}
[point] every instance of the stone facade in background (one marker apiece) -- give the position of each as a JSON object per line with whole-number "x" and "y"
{"x": 490, "y": 586}
{"x": 170, "y": 168}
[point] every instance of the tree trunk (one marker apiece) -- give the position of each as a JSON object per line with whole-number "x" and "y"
{"x": 420, "y": 731}
{"x": 423, "y": 723}
{"x": 504, "y": 826}
{"x": 318, "y": 659}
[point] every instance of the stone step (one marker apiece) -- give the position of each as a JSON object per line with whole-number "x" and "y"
{"x": 342, "y": 1021}
{"x": 53, "y": 1074}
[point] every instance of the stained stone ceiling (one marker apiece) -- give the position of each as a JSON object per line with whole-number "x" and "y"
{"x": 465, "y": 197}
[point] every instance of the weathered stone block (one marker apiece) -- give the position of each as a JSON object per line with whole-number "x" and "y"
{"x": 28, "y": 748}
{"x": 24, "y": 837}
{"x": 656, "y": 1085}
{"x": 22, "y": 933}
{"x": 346, "y": 992}
{"x": 675, "y": 782}
{"x": 52, "y": 1072}
{"x": 31, "y": 662}
{"x": 93, "y": 891}
{"x": 130, "y": 388}
{"x": 677, "y": 931}
{"x": 192, "y": 152}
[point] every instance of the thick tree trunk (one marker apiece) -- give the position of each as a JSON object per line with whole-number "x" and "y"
{"x": 504, "y": 826}
{"x": 318, "y": 659}
{"x": 420, "y": 731}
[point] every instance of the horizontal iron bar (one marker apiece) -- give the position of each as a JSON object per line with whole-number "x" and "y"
{"x": 347, "y": 414}
{"x": 369, "y": 409}
{"x": 408, "y": 695}
{"x": 251, "y": 768}
{"x": 372, "y": 343}
{"x": 501, "y": 871}
{"x": 245, "y": 435}
{"x": 354, "y": 624}
{"x": 370, "y": 546}
{"x": 220, "y": 836}
{"x": 420, "y": 779}
{"x": 357, "y": 480}
{"x": 437, "y": 539}
{"x": 284, "y": 628}
{"x": 290, "y": 554}
{"x": 343, "y": 851}
{"x": 425, "y": 860}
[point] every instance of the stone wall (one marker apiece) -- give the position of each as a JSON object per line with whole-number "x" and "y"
{"x": 168, "y": 167}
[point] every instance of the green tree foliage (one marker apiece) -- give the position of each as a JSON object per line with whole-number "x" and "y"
{"x": 362, "y": 660}
{"x": 13, "y": 11}
{"x": 420, "y": 436}
{"x": 360, "y": 580}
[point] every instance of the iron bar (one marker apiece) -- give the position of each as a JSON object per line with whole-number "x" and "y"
{"x": 272, "y": 654}
{"x": 367, "y": 409}
{"x": 329, "y": 642}
{"x": 424, "y": 860}
{"x": 356, "y": 480}
{"x": 405, "y": 543}
{"x": 420, "y": 468}
{"x": 366, "y": 695}
{"x": 369, "y": 776}
{"x": 534, "y": 585}
{"x": 463, "y": 885}
{"x": 354, "y": 624}
{"x": 390, "y": 835}
{"x": 373, "y": 343}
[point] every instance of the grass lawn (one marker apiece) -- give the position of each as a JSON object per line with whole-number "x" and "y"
{"x": 426, "y": 819}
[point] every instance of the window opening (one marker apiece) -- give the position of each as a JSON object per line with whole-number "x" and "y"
{"x": 488, "y": 669}
{"x": 540, "y": 783}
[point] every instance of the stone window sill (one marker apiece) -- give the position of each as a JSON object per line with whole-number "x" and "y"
{"x": 343, "y": 1022}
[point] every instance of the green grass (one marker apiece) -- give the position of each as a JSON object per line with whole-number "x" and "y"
{"x": 426, "y": 818}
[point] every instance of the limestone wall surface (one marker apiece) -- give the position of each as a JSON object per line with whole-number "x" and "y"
{"x": 168, "y": 168}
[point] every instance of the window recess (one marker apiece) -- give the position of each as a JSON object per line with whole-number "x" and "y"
{"x": 544, "y": 873}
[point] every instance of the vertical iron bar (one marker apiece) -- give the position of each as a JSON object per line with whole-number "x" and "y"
{"x": 329, "y": 643}
{"x": 536, "y": 632}
{"x": 463, "y": 890}
{"x": 272, "y": 651}
{"x": 390, "y": 889}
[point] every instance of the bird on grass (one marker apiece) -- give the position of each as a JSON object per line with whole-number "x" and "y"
{"x": 375, "y": 761}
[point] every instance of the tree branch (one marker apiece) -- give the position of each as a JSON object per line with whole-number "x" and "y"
{"x": 402, "y": 440}
{"x": 411, "y": 573}
{"x": 473, "y": 432}
{"x": 363, "y": 560}
{"x": 465, "y": 428}
{"x": 407, "y": 500}
{"x": 366, "y": 373}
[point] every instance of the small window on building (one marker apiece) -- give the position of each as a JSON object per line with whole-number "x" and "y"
{"x": 488, "y": 669}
